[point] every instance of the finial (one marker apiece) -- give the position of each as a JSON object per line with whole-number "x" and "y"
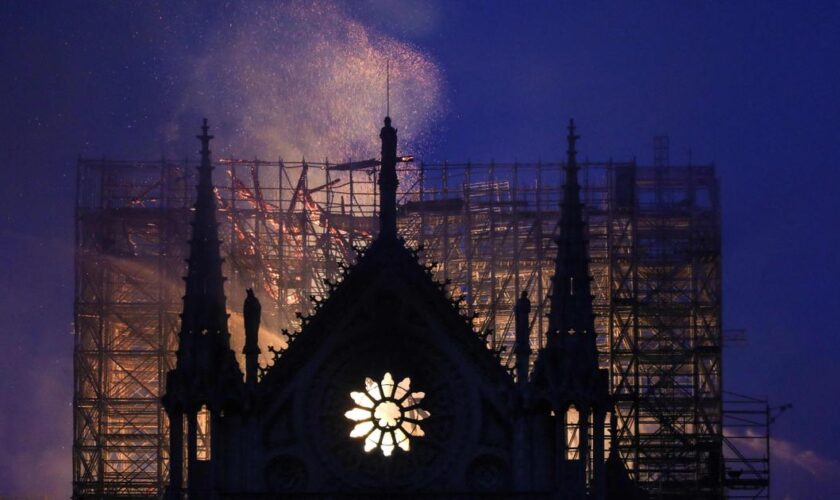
{"x": 204, "y": 137}
{"x": 387, "y": 89}
{"x": 572, "y": 137}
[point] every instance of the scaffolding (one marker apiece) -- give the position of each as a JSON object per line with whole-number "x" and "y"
{"x": 131, "y": 219}
{"x": 288, "y": 227}
{"x": 746, "y": 451}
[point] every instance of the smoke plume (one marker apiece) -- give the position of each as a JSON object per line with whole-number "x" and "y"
{"x": 306, "y": 79}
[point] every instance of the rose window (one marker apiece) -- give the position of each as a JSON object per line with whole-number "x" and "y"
{"x": 387, "y": 415}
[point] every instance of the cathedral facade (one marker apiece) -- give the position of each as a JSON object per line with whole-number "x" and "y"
{"x": 386, "y": 390}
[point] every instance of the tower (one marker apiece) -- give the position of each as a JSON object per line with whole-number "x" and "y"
{"x": 567, "y": 380}
{"x": 206, "y": 379}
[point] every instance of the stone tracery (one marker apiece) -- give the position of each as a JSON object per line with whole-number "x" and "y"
{"x": 387, "y": 414}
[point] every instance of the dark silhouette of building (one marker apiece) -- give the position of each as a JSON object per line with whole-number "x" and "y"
{"x": 387, "y": 389}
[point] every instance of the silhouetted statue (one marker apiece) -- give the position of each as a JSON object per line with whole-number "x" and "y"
{"x": 251, "y": 312}
{"x": 523, "y": 309}
{"x": 522, "y": 312}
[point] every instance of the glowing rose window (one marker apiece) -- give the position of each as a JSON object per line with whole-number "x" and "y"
{"x": 387, "y": 415}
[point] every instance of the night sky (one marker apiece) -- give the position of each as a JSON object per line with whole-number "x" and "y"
{"x": 752, "y": 86}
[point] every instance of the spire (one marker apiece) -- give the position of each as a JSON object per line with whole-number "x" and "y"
{"x": 388, "y": 183}
{"x": 206, "y": 371}
{"x": 204, "y": 300}
{"x": 571, "y": 300}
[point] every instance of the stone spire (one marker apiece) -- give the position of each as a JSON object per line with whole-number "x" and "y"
{"x": 571, "y": 312}
{"x": 204, "y": 311}
{"x": 388, "y": 183}
{"x": 206, "y": 374}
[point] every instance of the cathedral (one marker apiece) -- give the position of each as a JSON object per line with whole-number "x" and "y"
{"x": 387, "y": 391}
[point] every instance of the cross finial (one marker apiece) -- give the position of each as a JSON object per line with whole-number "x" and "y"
{"x": 572, "y": 138}
{"x": 204, "y": 137}
{"x": 205, "y": 144}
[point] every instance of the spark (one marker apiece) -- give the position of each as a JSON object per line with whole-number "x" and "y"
{"x": 305, "y": 79}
